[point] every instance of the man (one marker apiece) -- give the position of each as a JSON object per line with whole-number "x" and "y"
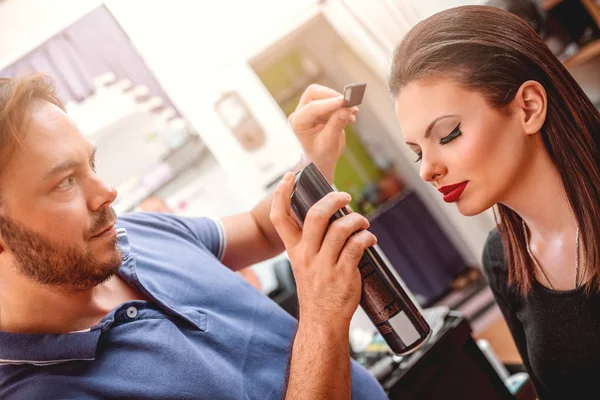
{"x": 148, "y": 305}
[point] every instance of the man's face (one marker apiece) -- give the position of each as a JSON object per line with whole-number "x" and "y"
{"x": 56, "y": 223}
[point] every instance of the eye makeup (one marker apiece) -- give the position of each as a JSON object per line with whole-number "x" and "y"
{"x": 456, "y": 132}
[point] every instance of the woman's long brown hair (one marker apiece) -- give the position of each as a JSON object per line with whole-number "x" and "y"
{"x": 494, "y": 52}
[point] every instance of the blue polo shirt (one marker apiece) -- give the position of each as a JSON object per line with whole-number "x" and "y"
{"x": 206, "y": 334}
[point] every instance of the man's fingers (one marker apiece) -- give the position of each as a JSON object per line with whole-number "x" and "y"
{"x": 354, "y": 249}
{"x": 325, "y": 117}
{"x": 315, "y": 111}
{"x": 317, "y": 219}
{"x": 316, "y": 92}
{"x": 281, "y": 216}
{"x": 335, "y": 126}
{"x": 339, "y": 232}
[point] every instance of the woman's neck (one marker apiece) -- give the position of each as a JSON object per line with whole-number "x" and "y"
{"x": 540, "y": 199}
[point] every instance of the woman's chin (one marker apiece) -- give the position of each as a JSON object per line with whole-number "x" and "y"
{"x": 470, "y": 208}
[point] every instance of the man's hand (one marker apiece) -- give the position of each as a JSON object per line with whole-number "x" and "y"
{"x": 324, "y": 259}
{"x": 319, "y": 122}
{"x": 319, "y": 128}
{"x": 325, "y": 264}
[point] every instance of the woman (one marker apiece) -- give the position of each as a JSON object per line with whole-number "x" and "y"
{"x": 495, "y": 119}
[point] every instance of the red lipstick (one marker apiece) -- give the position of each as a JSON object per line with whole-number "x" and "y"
{"x": 453, "y": 192}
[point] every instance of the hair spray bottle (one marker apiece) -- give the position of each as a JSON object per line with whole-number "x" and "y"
{"x": 383, "y": 299}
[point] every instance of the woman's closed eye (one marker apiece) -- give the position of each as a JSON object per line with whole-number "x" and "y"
{"x": 456, "y": 132}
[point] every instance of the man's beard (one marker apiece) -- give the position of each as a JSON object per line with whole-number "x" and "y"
{"x": 53, "y": 263}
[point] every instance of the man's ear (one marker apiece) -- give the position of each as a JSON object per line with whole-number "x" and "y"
{"x": 531, "y": 104}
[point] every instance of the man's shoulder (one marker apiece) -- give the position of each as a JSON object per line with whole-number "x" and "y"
{"x": 148, "y": 227}
{"x": 145, "y": 218}
{"x": 151, "y": 225}
{"x": 164, "y": 222}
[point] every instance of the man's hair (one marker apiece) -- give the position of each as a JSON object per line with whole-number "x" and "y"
{"x": 17, "y": 96}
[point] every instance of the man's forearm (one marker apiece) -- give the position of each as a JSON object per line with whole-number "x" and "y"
{"x": 320, "y": 364}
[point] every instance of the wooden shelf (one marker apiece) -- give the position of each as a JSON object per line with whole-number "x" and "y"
{"x": 584, "y": 54}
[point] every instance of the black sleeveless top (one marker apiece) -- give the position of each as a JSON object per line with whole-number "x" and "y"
{"x": 556, "y": 332}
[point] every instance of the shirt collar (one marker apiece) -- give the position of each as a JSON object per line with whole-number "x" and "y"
{"x": 49, "y": 349}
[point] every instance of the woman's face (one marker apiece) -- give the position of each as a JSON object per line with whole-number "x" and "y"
{"x": 469, "y": 150}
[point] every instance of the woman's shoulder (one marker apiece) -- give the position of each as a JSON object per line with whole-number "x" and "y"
{"x": 493, "y": 262}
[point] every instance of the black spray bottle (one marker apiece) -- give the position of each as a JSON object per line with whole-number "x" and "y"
{"x": 383, "y": 298}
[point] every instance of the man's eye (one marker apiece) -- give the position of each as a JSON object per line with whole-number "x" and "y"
{"x": 67, "y": 183}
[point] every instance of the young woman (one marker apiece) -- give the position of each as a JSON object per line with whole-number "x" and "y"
{"x": 495, "y": 119}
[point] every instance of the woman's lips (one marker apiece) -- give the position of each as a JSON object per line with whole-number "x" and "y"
{"x": 453, "y": 192}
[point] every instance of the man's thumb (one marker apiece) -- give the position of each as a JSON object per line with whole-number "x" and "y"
{"x": 337, "y": 122}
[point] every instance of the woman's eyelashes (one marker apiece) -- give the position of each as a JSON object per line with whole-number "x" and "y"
{"x": 456, "y": 132}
